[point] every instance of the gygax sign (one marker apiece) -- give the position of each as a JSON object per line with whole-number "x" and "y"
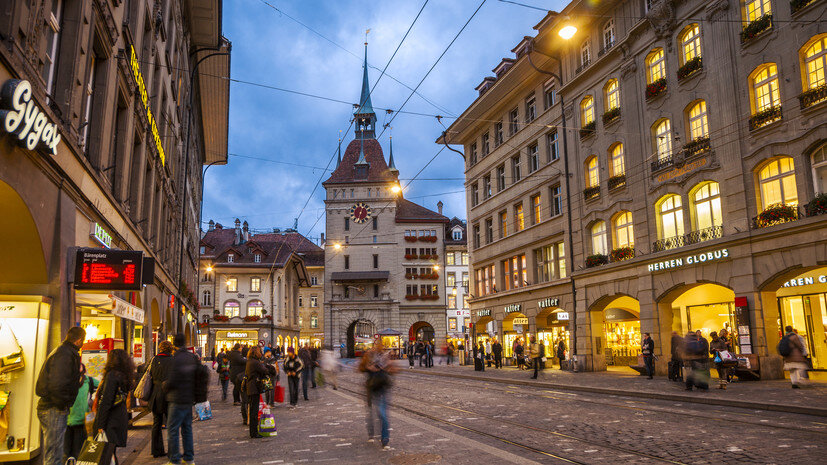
{"x": 21, "y": 116}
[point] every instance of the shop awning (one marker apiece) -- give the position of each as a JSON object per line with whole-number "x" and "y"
{"x": 389, "y": 332}
{"x": 360, "y": 275}
{"x": 110, "y": 303}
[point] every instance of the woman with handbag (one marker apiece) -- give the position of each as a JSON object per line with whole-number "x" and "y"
{"x": 158, "y": 405}
{"x": 112, "y": 416}
{"x": 257, "y": 374}
{"x": 76, "y": 431}
{"x": 717, "y": 346}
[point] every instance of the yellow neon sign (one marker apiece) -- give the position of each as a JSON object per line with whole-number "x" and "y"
{"x": 139, "y": 80}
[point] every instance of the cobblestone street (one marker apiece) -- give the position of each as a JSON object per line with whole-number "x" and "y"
{"x": 439, "y": 419}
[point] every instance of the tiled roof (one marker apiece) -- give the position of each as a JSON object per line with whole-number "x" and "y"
{"x": 409, "y": 212}
{"x": 449, "y": 238}
{"x": 378, "y": 171}
{"x": 277, "y": 247}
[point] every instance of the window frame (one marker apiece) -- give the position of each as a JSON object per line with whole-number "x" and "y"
{"x": 697, "y": 199}
{"x": 670, "y": 206}
{"x": 608, "y": 27}
{"x": 655, "y": 65}
{"x": 690, "y": 43}
{"x": 617, "y": 159}
{"x": 697, "y": 123}
{"x": 229, "y": 303}
{"x": 587, "y": 110}
{"x": 662, "y": 140}
{"x": 780, "y": 177}
{"x": 768, "y": 87}
{"x": 626, "y": 227}
{"x": 592, "y": 171}
{"x": 599, "y": 238}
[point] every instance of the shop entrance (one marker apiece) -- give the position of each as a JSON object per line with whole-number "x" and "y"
{"x": 802, "y": 304}
{"x": 617, "y": 322}
{"x": 421, "y": 331}
{"x": 360, "y": 335}
{"x": 706, "y": 308}
{"x": 552, "y": 329}
{"x": 515, "y": 328}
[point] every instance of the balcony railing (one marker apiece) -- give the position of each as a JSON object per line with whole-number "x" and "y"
{"x": 662, "y": 162}
{"x": 776, "y": 214}
{"x": 797, "y": 5}
{"x": 696, "y": 147}
{"x": 813, "y": 96}
{"x": 605, "y": 49}
{"x": 617, "y": 181}
{"x": 587, "y": 130}
{"x": 590, "y": 193}
{"x": 690, "y": 67}
{"x": 693, "y": 237}
{"x": 611, "y": 115}
{"x": 765, "y": 117}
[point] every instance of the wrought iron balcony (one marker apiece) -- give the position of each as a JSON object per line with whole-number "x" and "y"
{"x": 590, "y": 193}
{"x": 813, "y": 96}
{"x": 765, "y": 117}
{"x": 662, "y": 162}
{"x": 693, "y": 237}
{"x": 696, "y": 147}
{"x": 617, "y": 181}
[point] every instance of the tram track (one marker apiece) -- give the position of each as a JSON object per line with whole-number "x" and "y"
{"x": 663, "y": 410}
{"x": 453, "y": 423}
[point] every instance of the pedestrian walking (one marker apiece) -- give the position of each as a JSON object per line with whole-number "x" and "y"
{"x": 561, "y": 352}
{"x": 497, "y": 352}
{"x": 379, "y": 369}
{"x": 223, "y": 370}
{"x": 461, "y": 352}
{"x": 307, "y": 371}
{"x": 257, "y": 375}
{"x": 792, "y": 349}
{"x": 159, "y": 371}
{"x": 76, "y": 422}
{"x": 57, "y": 386}
{"x": 330, "y": 367}
{"x": 180, "y": 389}
{"x": 293, "y": 368}
{"x": 449, "y": 353}
{"x": 431, "y": 349}
{"x": 411, "y": 353}
{"x": 237, "y": 366}
{"x": 534, "y": 354}
{"x": 647, "y": 349}
{"x": 112, "y": 417}
{"x": 519, "y": 352}
{"x": 676, "y": 362}
{"x": 481, "y": 356}
{"x": 696, "y": 361}
{"x": 542, "y": 346}
{"x": 272, "y": 366}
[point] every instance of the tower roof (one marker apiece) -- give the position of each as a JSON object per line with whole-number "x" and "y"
{"x": 372, "y": 151}
{"x": 365, "y": 107}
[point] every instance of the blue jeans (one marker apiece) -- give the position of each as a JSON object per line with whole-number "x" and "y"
{"x": 378, "y": 402}
{"x": 307, "y": 376}
{"x": 180, "y": 416}
{"x": 649, "y": 361}
{"x": 225, "y": 386}
{"x": 53, "y": 423}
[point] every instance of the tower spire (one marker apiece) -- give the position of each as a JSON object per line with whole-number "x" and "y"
{"x": 391, "y": 164}
{"x": 339, "y": 154}
{"x": 365, "y": 116}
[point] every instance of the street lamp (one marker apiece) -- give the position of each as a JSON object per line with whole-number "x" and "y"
{"x": 436, "y": 267}
{"x": 337, "y": 246}
{"x": 396, "y": 189}
{"x": 567, "y": 32}
{"x": 209, "y": 268}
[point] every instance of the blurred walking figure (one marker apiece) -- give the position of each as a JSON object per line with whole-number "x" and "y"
{"x": 461, "y": 353}
{"x": 237, "y": 366}
{"x": 76, "y": 432}
{"x": 534, "y": 353}
{"x": 257, "y": 372}
{"x": 314, "y": 363}
{"x": 180, "y": 389}
{"x": 497, "y": 351}
{"x": 159, "y": 372}
{"x": 57, "y": 386}
{"x": 411, "y": 352}
{"x": 647, "y": 349}
{"x": 379, "y": 370}
{"x": 561, "y": 352}
{"x": 293, "y": 368}
{"x": 480, "y": 357}
{"x": 792, "y": 349}
{"x": 449, "y": 353}
{"x": 330, "y": 367}
{"x": 307, "y": 370}
{"x": 676, "y": 363}
{"x": 112, "y": 417}
{"x": 696, "y": 361}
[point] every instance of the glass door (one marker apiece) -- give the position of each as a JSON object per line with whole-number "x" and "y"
{"x": 807, "y": 314}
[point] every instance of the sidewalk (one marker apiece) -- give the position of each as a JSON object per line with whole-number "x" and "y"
{"x": 775, "y": 395}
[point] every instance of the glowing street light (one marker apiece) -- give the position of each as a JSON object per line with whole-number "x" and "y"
{"x": 567, "y": 32}
{"x": 454, "y": 291}
{"x": 209, "y": 268}
{"x": 436, "y": 267}
{"x": 396, "y": 189}
{"x": 337, "y": 246}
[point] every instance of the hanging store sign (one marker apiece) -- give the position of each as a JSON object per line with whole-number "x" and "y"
{"x": 821, "y": 279}
{"x": 520, "y": 321}
{"x": 21, "y": 116}
{"x": 126, "y": 310}
{"x": 101, "y": 236}
{"x": 562, "y": 316}
{"x": 689, "y": 260}
{"x": 139, "y": 81}
{"x": 546, "y": 303}
{"x": 231, "y": 334}
{"x": 110, "y": 270}
{"x": 484, "y": 312}
{"x": 513, "y": 308}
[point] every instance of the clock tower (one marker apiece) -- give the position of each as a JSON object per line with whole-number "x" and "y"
{"x": 365, "y": 288}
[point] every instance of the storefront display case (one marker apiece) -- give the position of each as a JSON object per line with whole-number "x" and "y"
{"x": 24, "y": 335}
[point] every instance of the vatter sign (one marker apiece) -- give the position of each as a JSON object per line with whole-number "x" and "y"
{"x": 689, "y": 260}
{"x": 21, "y": 116}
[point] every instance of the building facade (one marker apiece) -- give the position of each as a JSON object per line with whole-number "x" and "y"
{"x": 457, "y": 313}
{"x": 109, "y": 158}
{"x": 697, "y": 197}
{"x": 250, "y": 287}
{"x": 383, "y": 256}
{"x": 311, "y": 300}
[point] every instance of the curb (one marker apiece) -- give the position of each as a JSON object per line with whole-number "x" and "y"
{"x": 814, "y": 411}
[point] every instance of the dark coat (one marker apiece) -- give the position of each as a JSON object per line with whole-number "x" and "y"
{"x": 159, "y": 372}
{"x": 304, "y": 355}
{"x": 256, "y": 371}
{"x": 112, "y": 416}
{"x": 59, "y": 379}
{"x": 497, "y": 349}
{"x": 180, "y": 387}
{"x": 677, "y": 347}
{"x": 293, "y": 365}
{"x": 561, "y": 350}
{"x": 237, "y": 364}
{"x": 647, "y": 347}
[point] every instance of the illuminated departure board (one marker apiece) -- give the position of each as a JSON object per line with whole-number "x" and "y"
{"x": 107, "y": 269}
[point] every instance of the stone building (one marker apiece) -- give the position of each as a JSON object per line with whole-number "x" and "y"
{"x": 383, "y": 252}
{"x": 250, "y": 286}
{"x": 697, "y": 196}
{"x": 311, "y": 300}
{"x": 456, "y": 280}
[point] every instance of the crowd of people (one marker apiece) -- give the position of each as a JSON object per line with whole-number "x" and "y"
{"x": 531, "y": 356}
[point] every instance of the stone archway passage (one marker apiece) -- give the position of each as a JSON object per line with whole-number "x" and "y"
{"x": 360, "y": 334}
{"x": 615, "y": 322}
{"x": 800, "y": 301}
{"x": 422, "y": 331}
{"x": 21, "y": 248}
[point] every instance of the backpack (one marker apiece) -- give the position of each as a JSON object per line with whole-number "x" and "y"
{"x": 694, "y": 347}
{"x": 784, "y": 347}
{"x": 202, "y": 382}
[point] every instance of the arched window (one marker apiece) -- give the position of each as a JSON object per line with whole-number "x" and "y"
{"x": 255, "y": 307}
{"x": 815, "y": 62}
{"x": 706, "y": 200}
{"x": 592, "y": 172}
{"x": 587, "y": 110}
{"x": 599, "y": 245}
{"x": 764, "y": 84}
{"x": 231, "y": 308}
{"x": 777, "y": 180}
{"x": 624, "y": 234}
{"x": 819, "y": 162}
{"x": 698, "y": 125}
{"x": 670, "y": 216}
{"x": 655, "y": 66}
{"x": 755, "y": 9}
{"x": 618, "y": 162}
{"x": 611, "y": 95}
{"x": 207, "y": 299}
{"x": 662, "y": 132}
{"x": 690, "y": 40}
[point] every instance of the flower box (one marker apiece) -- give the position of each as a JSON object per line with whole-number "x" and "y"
{"x": 252, "y": 318}
{"x": 410, "y": 238}
{"x": 427, "y": 239}
{"x": 611, "y": 115}
{"x": 622, "y": 253}
{"x": 765, "y": 117}
{"x": 756, "y": 27}
{"x": 587, "y": 130}
{"x": 776, "y": 214}
{"x": 409, "y": 256}
{"x": 596, "y": 260}
{"x": 689, "y": 68}
{"x": 591, "y": 192}
{"x": 818, "y": 206}
{"x": 697, "y": 146}
{"x": 617, "y": 181}
{"x": 409, "y": 276}
{"x": 221, "y": 318}
{"x": 656, "y": 88}
{"x": 796, "y": 5}
{"x": 216, "y": 312}
{"x": 203, "y": 325}
{"x": 411, "y": 297}
{"x": 813, "y": 96}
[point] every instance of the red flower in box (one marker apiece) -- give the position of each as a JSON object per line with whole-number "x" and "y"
{"x": 411, "y": 297}
{"x": 622, "y": 253}
{"x": 410, "y": 238}
{"x": 221, "y": 318}
{"x": 656, "y": 88}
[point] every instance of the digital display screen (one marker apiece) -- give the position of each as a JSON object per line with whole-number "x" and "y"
{"x": 107, "y": 269}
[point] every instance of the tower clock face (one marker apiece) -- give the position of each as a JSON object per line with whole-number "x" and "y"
{"x": 360, "y": 213}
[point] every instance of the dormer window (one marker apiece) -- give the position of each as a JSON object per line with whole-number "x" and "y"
{"x": 457, "y": 235}
{"x": 230, "y": 258}
{"x": 257, "y": 258}
{"x": 361, "y": 172}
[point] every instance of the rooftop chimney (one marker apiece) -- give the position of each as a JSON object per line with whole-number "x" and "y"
{"x": 237, "y": 239}
{"x": 211, "y": 225}
{"x": 321, "y": 239}
{"x": 439, "y": 207}
{"x": 245, "y": 232}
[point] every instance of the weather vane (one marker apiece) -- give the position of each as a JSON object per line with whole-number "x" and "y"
{"x": 367, "y": 31}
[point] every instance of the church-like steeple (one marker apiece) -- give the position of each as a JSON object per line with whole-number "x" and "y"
{"x": 364, "y": 115}
{"x": 391, "y": 165}
{"x": 339, "y": 153}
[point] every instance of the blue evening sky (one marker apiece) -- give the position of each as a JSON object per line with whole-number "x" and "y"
{"x": 269, "y": 126}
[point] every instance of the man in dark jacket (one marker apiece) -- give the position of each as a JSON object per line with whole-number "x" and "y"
{"x": 314, "y": 362}
{"x": 497, "y": 351}
{"x": 159, "y": 372}
{"x": 237, "y": 366}
{"x": 180, "y": 389}
{"x": 307, "y": 373}
{"x": 647, "y": 349}
{"x": 58, "y": 385}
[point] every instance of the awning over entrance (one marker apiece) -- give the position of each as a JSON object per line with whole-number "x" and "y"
{"x": 360, "y": 276}
{"x": 389, "y": 332}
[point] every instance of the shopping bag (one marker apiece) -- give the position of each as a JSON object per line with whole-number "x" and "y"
{"x": 278, "y": 392}
{"x": 717, "y": 358}
{"x": 89, "y": 422}
{"x": 267, "y": 424}
{"x": 263, "y": 408}
{"x": 96, "y": 451}
{"x": 203, "y": 410}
